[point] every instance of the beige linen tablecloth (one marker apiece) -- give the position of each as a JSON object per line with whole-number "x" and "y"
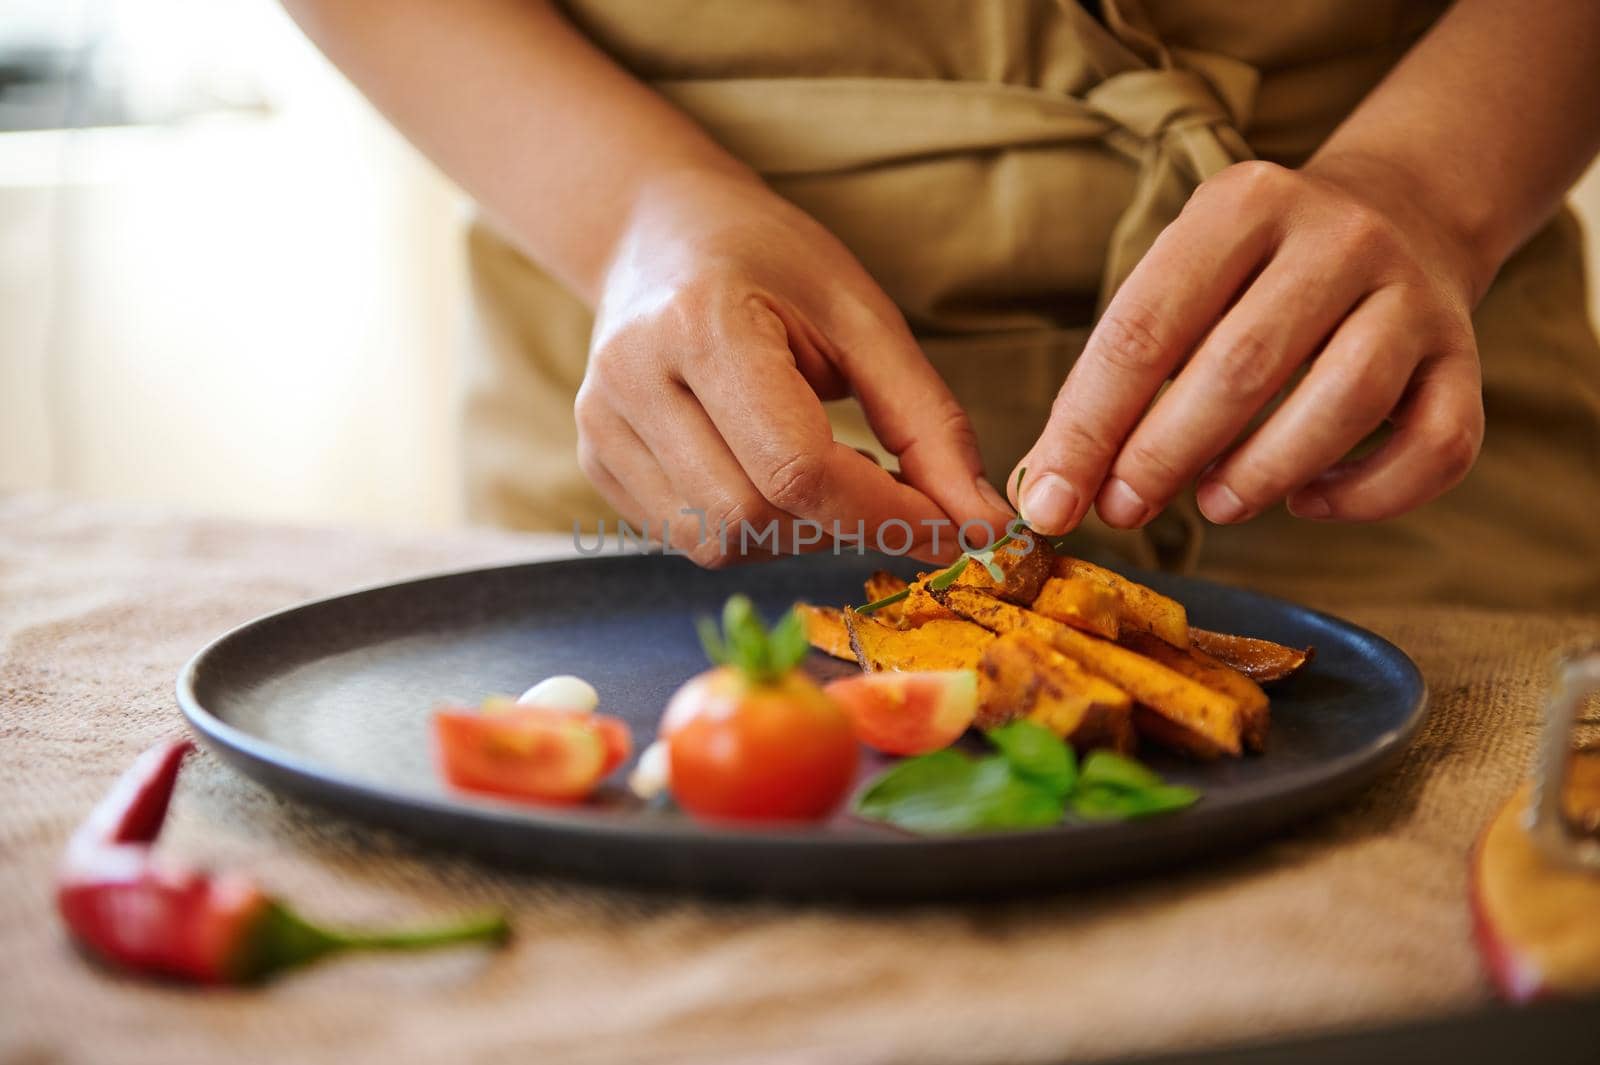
{"x": 1357, "y": 917}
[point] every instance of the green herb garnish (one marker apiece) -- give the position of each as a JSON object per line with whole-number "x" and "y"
{"x": 1032, "y": 782}
{"x": 948, "y": 792}
{"x": 1112, "y": 787}
{"x": 879, "y": 604}
{"x": 945, "y": 578}
{"x": 1037, "y": 754}
{"x": 745, "y": 643}
{"x": 1114, "y": 770}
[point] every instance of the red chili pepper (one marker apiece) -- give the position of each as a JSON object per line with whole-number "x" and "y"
{"x": 127, "y": 908}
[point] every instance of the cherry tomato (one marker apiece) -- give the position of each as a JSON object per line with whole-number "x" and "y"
{"x": 745, "y": 750}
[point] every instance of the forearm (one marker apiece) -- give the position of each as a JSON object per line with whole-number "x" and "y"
{"x": 1484, "y": 126}
{"x": 551, "y": 137}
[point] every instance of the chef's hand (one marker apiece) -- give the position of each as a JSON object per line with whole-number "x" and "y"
{"x": 726, "y": 316}
{"x": 1265, "y": 272}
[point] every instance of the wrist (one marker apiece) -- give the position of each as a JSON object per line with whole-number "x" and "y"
{"x": 662, "y": 214}
{"x": 1456, "y": 229}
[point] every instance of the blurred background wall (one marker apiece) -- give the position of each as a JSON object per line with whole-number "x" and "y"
{"x": 224, "y": 283}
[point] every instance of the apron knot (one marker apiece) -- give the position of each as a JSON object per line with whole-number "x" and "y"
{"x": 1147, "y": 103}
{"x": 1195, "y": 115}
{"x": 1182, "y": 124}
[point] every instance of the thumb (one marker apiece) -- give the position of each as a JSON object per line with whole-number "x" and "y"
{"x": 917, "y": 418}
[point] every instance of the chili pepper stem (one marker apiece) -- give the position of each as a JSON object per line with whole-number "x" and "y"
{"x": 283, "y": 939}
{"x": 489, "y": 928}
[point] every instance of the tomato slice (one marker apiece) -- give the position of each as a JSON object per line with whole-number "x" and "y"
{"x": 908, "y": 713}
{"x": 616, "y": 737}
{"x": 529, "y": 753}
{"x": 613, "y": 730}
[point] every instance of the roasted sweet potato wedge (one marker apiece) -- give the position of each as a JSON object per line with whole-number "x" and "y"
{"x": 1191, "y": 718}
{"x": 1022, "y": 676}
{"x": 920, "y": 607}
{"x": 1214, "y": 674}
{"x": 937, "y": 645}
{"x": 825, "y": 630}
{"x": 1143, "y": 609}
{"x": 1026, "y": 563}
{"x": 917, "y": 608}
{"x": 1082, "y": 603}
{"x": 881, "y": 585}
{"x": 1261, "y": 660}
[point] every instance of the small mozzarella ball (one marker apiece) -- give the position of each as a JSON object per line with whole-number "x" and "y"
{"x": 653, "y": 774}
{"x": 565, "y": 692}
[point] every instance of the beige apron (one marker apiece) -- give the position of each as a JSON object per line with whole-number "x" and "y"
{"x": 999, "y": 166}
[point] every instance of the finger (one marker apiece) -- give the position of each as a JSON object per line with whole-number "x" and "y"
{"x": 916, "y": 417}
{"x": 1349, "y": 391}
{"x": 619, "y": 466}
{"x": 685, "y": 487}
{"x": 1172, "y": 298}
{"x": 710, "y": 486}
{"x": 781, "y": 438}
{"x": 629, "y": 510}
{"x": 1280, "y": 321}
{"x": 1438, "y": 432}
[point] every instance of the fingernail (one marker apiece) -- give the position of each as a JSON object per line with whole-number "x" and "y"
{"x": 1310, "y": 505}
{"x": 1219, "y": 503}
{"x": 1121, "y": 506}
{"x": 1049, "y": 503}
{"x": 991, "y": 495}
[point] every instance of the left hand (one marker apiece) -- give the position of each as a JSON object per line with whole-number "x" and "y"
{"x": 1267, "y": 270}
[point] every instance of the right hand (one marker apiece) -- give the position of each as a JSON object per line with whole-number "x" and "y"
{"x": 726, "y": 316}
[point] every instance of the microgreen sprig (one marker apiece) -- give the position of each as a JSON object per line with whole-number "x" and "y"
{"x": 946, "y": 577}
{"x": 888, "y": 600}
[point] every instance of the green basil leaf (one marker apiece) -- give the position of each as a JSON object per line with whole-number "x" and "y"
{"x": 1037, "y": 754}
{"x": 912, "y": 775}
{"x": 1102, "y": 803}
{"x": 1006, "y": 799}
{"x": 1109, "y": 769}
{"x": 1168, "y": 797}
{"x": 1112, "y": 803}
{"x": 1106, "y": 804}
{"x": 947, "y": 792}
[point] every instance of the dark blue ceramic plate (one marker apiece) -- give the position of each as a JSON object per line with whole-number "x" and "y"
{"x": 329, "y": 702}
